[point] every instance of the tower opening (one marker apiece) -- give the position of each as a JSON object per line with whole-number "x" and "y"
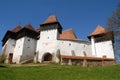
{"x": 10, "y": 57}
{"x": 47, "y": 57}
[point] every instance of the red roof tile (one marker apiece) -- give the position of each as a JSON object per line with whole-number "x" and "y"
{"x": 17, "y": 28}
{"x": 50, "y": 19}
{"x": 98, "y": 30}
{"x": 29, "y": 26}
{"x": 68, "y": 34}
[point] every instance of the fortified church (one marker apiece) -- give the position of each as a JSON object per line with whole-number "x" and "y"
{"x": 49, "y": 43}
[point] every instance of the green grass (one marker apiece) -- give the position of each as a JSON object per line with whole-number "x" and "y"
{"x": 58, "y": 72}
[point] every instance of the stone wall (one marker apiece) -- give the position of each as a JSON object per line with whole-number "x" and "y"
{"x": 87, "y": 63}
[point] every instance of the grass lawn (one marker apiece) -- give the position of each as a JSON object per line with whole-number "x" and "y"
{"x": 58, "y": 72}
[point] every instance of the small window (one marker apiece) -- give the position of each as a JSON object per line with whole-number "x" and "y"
{"x": 28, "y": 47}
{"x": 14, "y": 45}
{"x": 73, "y": 53}
{"x": 69, "y": 44}
{"x": 84, "y": 45}
{"x": 46, "y": 43}
{"x": 28, "y": 39}
{"x": 84, "y": 53}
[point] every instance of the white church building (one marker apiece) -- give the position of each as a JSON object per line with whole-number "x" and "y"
{"x": 49, "y": 43}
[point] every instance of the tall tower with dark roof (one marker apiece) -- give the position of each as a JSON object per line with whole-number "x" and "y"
{"x": 50, "y": 29}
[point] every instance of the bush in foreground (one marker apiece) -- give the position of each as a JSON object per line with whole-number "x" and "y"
{"x": 2, "y": 58}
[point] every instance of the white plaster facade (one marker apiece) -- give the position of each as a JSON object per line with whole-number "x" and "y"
{"x": 74, "y": 48}
{"x": 104, "y": 49}
{"x": 71, "y": 47}
{"x": 24, "y": 49}
{"x": 49, "y": 42}
{"x": 8, "y": 48}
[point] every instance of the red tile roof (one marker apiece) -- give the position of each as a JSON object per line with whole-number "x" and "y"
{"x": 85, "y": 57}
{"x": 50, "y": 19}
{"x": 17, "y": 28}
{"x": 98, "y": 30}
{"x": 29, "y": 26}
{"x": 68, "y": 34}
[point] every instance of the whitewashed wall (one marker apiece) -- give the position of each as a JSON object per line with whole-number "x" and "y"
{"x": 8, "y": 47}
{"x": 46, "y": 47}
{"x": 49, "y": 35}
{"x": 24, "y": 49}
{"x": 65, "y": 47}
{"x": 28, "y": 48}
{"x": 46, "y": 44}
{"x": 18, "y": 50}
{"x": 79, "y": 48}
{"x": 104, "y": 48}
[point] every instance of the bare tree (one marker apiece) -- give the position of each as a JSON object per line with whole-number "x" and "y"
{"x": 114, "y": 25}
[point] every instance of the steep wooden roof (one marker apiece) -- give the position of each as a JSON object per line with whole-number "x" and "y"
{"x": 19, "y": 32}
{"x": 50, "y": 19}
{"x": 29, "y": 26}
{"x": 97, "y": 31}
{"x": 17, "y": 28}
{"x": 68, "y": 34}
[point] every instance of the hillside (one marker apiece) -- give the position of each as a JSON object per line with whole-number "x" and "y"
{"x": 58, "y": 72}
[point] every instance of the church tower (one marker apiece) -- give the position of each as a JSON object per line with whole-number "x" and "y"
{"x": 102, "y": 42}
{"x": 50, "y": 29}
{"x": 25, "y": 47}
{"x": 97, "y": 33}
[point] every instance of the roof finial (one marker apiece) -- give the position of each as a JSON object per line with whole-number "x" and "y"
{"x": 19, "y": 23}
{"x": 52, "y": 13}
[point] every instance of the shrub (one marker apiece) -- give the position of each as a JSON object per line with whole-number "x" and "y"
{"x": 2, "y": 58}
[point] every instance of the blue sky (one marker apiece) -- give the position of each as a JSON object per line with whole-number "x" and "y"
{"x": 81, "y": 15}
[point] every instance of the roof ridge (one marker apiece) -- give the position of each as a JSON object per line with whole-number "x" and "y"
{"x": 29, "y": 26}
{"x": 17, "y": 28}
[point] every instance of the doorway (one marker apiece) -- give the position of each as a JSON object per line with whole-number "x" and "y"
{"x": 10, "y": 57}
{"x": 47, "y": 57}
